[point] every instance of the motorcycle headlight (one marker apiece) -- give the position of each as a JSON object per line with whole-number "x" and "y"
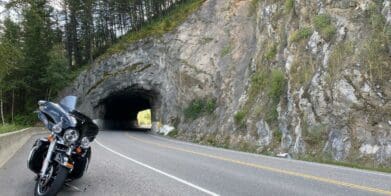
{"x": 71, "y": 135}
{"x": 85, "y": 142}
{"x": 57, "y": 128}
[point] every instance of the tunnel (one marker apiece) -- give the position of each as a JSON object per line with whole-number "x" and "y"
{"x": 118, "y": 111}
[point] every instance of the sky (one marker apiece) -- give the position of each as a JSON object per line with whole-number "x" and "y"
{"x": 56, "y": 4}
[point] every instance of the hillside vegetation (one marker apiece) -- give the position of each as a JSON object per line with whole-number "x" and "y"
{"x": 46, "y": 48}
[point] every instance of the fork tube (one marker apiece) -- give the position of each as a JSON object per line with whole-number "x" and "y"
{"x": 48, "y": 156}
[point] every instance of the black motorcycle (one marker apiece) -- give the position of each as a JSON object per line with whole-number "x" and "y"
{"x": 65, "y": 154}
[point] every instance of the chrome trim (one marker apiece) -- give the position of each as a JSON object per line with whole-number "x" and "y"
{"x": 48, "y": 157}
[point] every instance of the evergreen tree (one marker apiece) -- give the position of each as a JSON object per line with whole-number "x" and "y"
{"x": 37, "y": 40}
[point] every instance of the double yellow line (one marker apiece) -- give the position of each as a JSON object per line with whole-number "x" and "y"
{"x": 267, "y": 168}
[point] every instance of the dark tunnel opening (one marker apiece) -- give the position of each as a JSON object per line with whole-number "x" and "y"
{"x": 120, "y": 109}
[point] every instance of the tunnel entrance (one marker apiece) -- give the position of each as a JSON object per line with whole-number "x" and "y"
{"x": 120, "y": 109}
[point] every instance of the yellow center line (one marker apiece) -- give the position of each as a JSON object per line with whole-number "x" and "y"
{"x": 267, "y": 168}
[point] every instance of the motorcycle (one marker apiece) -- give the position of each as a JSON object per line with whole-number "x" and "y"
{"x": 65, "y": 154}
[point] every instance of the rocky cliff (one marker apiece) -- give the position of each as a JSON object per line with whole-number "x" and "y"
{"x": 310, "y": 78}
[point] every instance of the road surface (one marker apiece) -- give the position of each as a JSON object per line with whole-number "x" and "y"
{"x": 139, "y": 163}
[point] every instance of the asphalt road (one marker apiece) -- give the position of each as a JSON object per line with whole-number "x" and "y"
{"x": 138, "y": 163}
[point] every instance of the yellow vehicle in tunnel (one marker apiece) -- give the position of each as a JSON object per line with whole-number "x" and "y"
{"x": 144, "y": 119}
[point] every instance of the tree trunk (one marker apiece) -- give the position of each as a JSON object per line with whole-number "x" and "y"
{"x": 1, "y": 107}
{"x": 49, "y": 92}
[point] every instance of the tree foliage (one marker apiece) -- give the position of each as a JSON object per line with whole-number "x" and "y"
{"x": 42, "y": 49}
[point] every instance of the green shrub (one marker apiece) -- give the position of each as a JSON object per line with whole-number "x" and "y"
{"x": 302, "y": 33}
{"x": 173, "y": 133}
{"x": 277, "y": 85}
{"x": 277, "y": 136}
{"x": 200, "y": 107}
{"x": 271, "y": 114}
{"x": 324, "y": 26}
{"x": 275, "y": 89}
{"x": 288, "y": 6}
{"x": 258, "y": 82}
{"x": 239, "y": 118}
{"x": 28, "y": 119}
{"x": 273, "y": 84}
{"x": 253, "y": 7}
{"x": 271, "y": 53}
{"x": 194, "y": 110}
{"x": 210, "y": 106}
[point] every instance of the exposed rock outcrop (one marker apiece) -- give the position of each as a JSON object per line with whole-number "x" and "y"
{"x": 312, "y": 78}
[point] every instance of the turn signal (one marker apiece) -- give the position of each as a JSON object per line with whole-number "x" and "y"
{"x": 78, "y": 150}
{"x": 50, "y": 138}
{"x": 69, "y": 165}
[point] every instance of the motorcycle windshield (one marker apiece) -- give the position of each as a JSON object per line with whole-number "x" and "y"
{"x": 69, "y": 103}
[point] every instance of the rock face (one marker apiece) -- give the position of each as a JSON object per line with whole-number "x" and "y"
{"x": 311, "y": 78}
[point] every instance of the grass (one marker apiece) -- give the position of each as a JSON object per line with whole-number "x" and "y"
{"x": 376, "y": 59}
{"x": 271, "y": 52}
{"x": 205, "y": 40}
{"x": 173, "y": 133}
{"x": 344, "y": 164}
{"x": 253, "y": 7}
{"x": 221, "y": 141}
{"x": 342, "y": 53}
{"x": 10, "y": 128}
{"x": 324, "y": 26}
{"x": 289, "y": 5}
{"x": 271, "y": 83}
{"x": 158, "y": 27}
{"x": 375, "y": 53}
{"x": 199, "y": 107}
{"x": 302, "y": 70}
{"x": 301, "y": 34}
{"x": 246, "y": 146}
{"x": 226, "y": 50}
{"x": 315, "y": 135}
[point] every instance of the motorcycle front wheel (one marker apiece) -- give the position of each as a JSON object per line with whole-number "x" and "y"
{"x": 53, "y": 182}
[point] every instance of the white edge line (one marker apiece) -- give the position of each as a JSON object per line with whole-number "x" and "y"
{"x": 158, "y": 171}
{"x": 274, "y": 158}
{"x": 14, "y": 132}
